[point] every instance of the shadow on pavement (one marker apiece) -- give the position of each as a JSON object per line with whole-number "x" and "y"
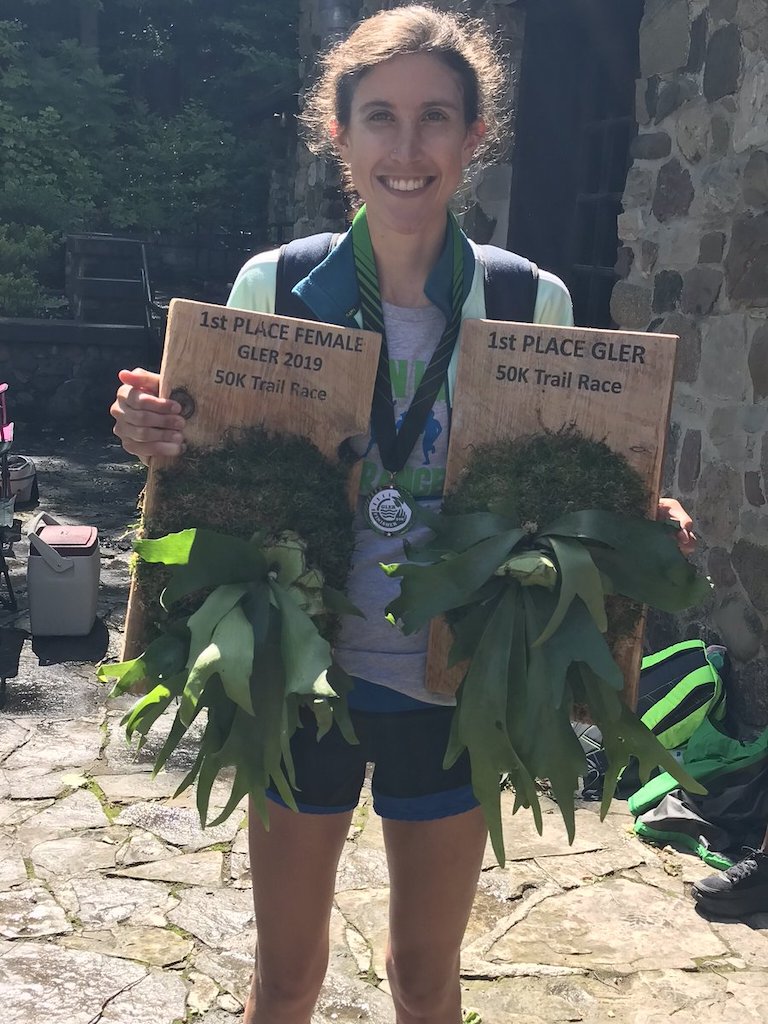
{"x": 59, "y": 650}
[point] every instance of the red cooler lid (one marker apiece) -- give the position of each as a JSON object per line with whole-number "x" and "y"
{"x": 70, "y": 540}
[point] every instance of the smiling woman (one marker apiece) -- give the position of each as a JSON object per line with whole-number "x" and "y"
{"x": 405, "y": 104}
{"x": 467, "y": 91}
{"x": 406, "y": 154}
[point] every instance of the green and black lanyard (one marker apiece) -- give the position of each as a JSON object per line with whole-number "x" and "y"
{"x": 388, "y": 508}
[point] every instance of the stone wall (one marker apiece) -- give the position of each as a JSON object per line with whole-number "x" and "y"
{"x": 64, "y": 378}
{"x": 486, "y": 202}
{"x": 695, "y": 237}
{"x": 319, "y": 205}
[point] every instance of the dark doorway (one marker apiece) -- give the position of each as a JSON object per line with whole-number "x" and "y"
{"x": 575, "y": 121}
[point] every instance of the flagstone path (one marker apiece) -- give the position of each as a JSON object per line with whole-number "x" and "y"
{"x": 116, "y": 907}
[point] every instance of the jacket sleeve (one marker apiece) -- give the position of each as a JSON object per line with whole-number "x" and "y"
{"x": 254, "y": 287}
{"x": 553, "y": 302}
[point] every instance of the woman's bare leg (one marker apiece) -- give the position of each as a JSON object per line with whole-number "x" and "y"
{"x": 293, "y": 870}
{"x": 433, "y": 868}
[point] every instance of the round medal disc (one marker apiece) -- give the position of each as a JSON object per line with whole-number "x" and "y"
{"x": 388, "y": 510}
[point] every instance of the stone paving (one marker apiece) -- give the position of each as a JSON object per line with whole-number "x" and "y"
{"x": 115, "y": 905}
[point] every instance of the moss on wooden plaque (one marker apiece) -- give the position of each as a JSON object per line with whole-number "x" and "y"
{"x": 253, "y": 481}
{"x": 542, "y": 477}
{"x": 545, "y": 476}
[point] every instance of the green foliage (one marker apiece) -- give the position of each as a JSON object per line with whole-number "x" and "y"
{"x": 56, "y": 121}
{"x": 545, "y": 476}
{"x": 139, "y": 115}
{"x": 251, "y": 655}
{"x": 176, "y": 172}
{"x": 21, "y": 250}
{"x": 21, "y": 295}
{"x": 23, "y": 247}
{"x": 57, "y": 114}
{"x": 523, "y": 576}
{"x": 205, "y": 83}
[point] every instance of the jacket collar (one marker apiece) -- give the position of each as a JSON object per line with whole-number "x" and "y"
{"x": 330, "y": 290}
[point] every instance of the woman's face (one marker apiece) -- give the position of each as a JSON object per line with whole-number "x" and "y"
{"x": 407, "y": 143}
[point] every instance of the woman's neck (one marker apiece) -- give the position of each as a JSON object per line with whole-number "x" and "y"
{"x": 404, "y": 262}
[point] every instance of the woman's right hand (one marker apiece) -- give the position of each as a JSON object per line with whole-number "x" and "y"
{"x": 146, "y": 424}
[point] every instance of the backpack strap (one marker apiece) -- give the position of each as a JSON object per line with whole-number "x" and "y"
{"x": 297, "y": 259}
{"x": 511, "y": 285}
{"x": 511, "y": 281}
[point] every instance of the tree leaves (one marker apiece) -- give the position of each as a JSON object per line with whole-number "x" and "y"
{"x": 164, "y": 657}
{"x": 450, "y": 582}
{"x": 206, "y": 559}
{"x": 528, "y": 611}
{"x": 250, "y": 656}
{"x": 306, "y": 655}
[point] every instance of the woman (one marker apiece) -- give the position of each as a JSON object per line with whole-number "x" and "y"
{"x": 406, "y": 103}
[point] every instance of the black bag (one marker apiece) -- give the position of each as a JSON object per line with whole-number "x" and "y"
{"x": 733, "y": 812}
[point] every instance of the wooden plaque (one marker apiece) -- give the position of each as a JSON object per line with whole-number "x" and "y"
{"x": 233, "y": 368}
{"x": 519, "y": 379}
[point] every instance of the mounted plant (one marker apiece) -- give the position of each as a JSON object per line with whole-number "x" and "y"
{"x": 244, "y": 610}
{"x": 536, "y": 546}
{"x": 253, "y": 480}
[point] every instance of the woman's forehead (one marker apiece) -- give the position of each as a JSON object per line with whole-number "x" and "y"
{"x": 412, "y": 79}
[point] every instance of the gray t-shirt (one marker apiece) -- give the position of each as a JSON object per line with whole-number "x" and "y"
{"x": 372, "y": 648}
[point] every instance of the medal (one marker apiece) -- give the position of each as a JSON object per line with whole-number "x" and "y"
{"x": 388, "y": 510}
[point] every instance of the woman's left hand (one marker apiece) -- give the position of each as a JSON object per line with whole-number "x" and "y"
{"x": 670, "y": 508}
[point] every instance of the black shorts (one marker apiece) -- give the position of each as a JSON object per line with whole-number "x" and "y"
{"x": 406, "y": 745}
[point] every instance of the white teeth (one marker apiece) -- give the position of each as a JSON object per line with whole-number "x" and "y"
{"x": 406, "y": 184}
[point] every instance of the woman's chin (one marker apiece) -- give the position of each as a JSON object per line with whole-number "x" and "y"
{"x": 405, "y": 216}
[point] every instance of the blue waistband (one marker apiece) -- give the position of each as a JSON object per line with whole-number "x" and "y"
{"x": 373, "y": 697}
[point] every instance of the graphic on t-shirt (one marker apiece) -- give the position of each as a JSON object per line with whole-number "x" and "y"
{"x": 433, "y": 428}
{"x": 424, "y": 474}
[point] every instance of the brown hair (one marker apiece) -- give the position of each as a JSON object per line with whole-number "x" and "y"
{"x": 464, "y": 45}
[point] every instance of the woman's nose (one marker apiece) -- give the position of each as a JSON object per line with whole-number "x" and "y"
{"x": 407, "y": 144}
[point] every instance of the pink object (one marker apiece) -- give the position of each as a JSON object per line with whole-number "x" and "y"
{"x": 69, "y": 540}
{"x": 6, "y": 428}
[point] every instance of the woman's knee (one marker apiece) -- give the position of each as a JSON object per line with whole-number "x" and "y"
{"x": 292, "y": 986}
{"x": 423, "y": 983}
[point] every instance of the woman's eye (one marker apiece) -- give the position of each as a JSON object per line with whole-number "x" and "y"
{"x": 380, "y": 115}
{"x": 435, "y": 115}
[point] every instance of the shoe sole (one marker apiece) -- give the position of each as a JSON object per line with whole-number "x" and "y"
{"x": 755, "y": 903}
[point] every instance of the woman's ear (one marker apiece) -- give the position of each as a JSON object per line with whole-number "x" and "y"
{"x": 475, "y": 134}
{"x": 338, "y": 137}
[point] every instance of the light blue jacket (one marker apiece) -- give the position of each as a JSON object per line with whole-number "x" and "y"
{"x": 330, "y": 290}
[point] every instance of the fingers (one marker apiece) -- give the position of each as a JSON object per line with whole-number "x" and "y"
{"x": 670, "y": 508}
{"x": 687, "y": 541}
{"x": 145, "y": 380}
{"x": 146, "y": 424}
{"x": 141, "y": 389}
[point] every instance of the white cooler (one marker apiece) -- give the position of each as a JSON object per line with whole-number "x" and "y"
{"x": 62, "y": 579}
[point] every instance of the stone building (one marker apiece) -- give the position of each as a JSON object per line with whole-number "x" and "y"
{"x": 637, "y": 169}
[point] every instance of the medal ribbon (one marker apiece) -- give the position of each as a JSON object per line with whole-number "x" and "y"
{"x": 395, "y": 446}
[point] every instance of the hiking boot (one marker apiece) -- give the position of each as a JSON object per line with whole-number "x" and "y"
{"x": 740, "y": 891}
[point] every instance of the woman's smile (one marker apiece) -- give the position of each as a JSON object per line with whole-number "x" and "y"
{"x": 407, "y": 185}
